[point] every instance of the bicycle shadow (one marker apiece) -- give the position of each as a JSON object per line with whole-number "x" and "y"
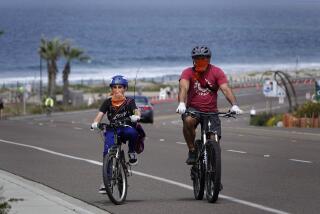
{"x": 219, "y": 201}
{"x": 107, "y": 202}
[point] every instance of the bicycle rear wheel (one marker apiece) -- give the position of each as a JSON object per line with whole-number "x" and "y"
{"x": 197, "y": 173}
{"x": 115, "y": 179}
{"x": 213, "y": 170}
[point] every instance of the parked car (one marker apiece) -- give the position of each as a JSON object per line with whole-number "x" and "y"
{"x": 145, "y": 107}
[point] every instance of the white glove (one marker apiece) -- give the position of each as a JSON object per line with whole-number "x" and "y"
{"x": 236, "y": 109}
{"x": 94, "y": 126}
{"x": 181, "y": 108}
{"x": 134, "y": 118}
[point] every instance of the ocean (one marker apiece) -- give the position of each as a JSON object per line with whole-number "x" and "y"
{"x": 157, "y": 41}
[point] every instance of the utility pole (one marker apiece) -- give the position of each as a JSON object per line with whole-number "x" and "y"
{"x": 297, "y": 64}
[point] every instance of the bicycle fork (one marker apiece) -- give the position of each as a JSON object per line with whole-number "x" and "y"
{"x": 204, "y": 137}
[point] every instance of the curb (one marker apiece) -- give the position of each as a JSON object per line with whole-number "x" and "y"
{"x": 44, "y": 195}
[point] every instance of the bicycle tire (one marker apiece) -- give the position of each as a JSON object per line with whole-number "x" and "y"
{"x": 115, "y": 180}
{"x": 197, "y": 173}
{"x": 213, "y": 171}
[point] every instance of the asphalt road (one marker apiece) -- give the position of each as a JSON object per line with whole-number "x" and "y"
{"x": 265, "y": 170}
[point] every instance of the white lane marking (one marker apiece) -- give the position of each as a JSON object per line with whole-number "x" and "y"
{"x": 302, "y": 161}
{"x": 161, "y": 140}
{"x": 236, "y": 200}
{"x": 78, "y": 128}
{"x": 183, "y": 143}
{"x": 293, "y": 141}
{"x": 236, "y": 151}
{"x": 240, "y": 135}
{"x": 266, "y": 156}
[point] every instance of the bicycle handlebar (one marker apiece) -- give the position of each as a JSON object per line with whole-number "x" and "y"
{"x": 113, "y": 124}
{"x": 223, "y": 114}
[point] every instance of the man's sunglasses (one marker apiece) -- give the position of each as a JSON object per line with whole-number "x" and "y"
{"x": 201, "y": 57}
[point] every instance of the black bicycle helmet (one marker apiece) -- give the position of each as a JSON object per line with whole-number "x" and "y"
{"x": 200, "y": 51}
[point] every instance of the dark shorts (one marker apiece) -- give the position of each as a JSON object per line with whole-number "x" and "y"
{"x": 1, "y": 106}
{"x": 214, "y": 120}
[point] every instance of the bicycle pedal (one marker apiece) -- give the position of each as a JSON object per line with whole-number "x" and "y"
{"x": 128, "y": 170}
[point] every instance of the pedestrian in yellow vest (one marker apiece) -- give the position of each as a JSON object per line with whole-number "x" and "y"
{"x": 49, "y": 103}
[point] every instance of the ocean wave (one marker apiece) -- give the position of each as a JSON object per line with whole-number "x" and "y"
{"x": 105, "y": 73}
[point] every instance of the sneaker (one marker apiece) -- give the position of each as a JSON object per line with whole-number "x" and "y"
{"x": 192, "y": 157}
{"x": 133, "y": 160}
{"x": 102, "y": 189}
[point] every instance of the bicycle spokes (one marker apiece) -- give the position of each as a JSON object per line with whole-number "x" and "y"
{"x": 115, "y": 179}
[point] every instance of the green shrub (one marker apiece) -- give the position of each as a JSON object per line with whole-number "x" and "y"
{"x": 260, "y": 119}
{"x": 35, "y": 109}
{"x": 4, "y": 207}
{"x": 274, "y": 120}
{"x": 308, "y": 109}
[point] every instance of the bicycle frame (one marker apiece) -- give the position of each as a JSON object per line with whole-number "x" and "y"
{"x": 117, "y": 143}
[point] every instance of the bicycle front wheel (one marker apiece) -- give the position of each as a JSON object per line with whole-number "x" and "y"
{"x": 115, "y": 179}
{"x": 197, "y": 173}
{"x": 213, "y": 170}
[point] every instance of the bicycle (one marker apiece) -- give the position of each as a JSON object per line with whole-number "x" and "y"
{"x": 48, "y": 110}
{"x": 115, "y": 168}
{"x": 206, "y": 172}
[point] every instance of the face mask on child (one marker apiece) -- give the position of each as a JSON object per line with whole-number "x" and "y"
{"x": 117, "y": 96}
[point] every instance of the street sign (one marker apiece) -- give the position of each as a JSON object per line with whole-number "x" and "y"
{"x": 270, "y": 88}
{"x": 281, "y": 92}
{"x": 281, "y": 100}
{"x": 317, "y": 88}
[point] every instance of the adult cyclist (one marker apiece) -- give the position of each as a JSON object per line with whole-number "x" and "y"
{"x": 198, "y": 90}
{"x": 119, "y": 108}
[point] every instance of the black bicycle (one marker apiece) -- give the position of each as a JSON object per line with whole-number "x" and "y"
{"x": 48, "y": 110}
{"x": 206, "y": 172}
{"x": 115, "y": 168}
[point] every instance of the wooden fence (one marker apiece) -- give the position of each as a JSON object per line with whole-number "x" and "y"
{"x": 290, "y": 121}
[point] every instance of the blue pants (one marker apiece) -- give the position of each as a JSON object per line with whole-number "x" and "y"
{"x": 125, "y": 134}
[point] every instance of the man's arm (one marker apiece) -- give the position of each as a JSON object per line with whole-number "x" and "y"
{"x": 226, "y": 90}
{"x": 183, "y": 90}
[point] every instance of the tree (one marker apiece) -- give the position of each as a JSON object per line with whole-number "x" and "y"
{"x": 70, "y": 53}
{"x": 51, "y": 50}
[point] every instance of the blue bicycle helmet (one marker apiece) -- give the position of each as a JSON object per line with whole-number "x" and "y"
{"x": 119, "y": 80}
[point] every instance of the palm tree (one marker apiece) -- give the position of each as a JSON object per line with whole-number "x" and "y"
{"x": 51, "y": 50}
{"x": 70, "y": 53}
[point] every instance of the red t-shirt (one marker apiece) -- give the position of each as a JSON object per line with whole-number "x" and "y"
{"x": 203, "y": 98}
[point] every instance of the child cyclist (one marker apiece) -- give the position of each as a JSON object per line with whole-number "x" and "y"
{"x": 118, "y": 107}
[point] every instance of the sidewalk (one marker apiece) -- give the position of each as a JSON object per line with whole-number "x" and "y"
{"x": 33, "y": 198}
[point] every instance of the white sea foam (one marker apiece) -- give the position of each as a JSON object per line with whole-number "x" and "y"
{"x": 105, "y": 73}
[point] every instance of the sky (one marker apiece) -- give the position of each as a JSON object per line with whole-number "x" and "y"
{"x": 157, "y": 3}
